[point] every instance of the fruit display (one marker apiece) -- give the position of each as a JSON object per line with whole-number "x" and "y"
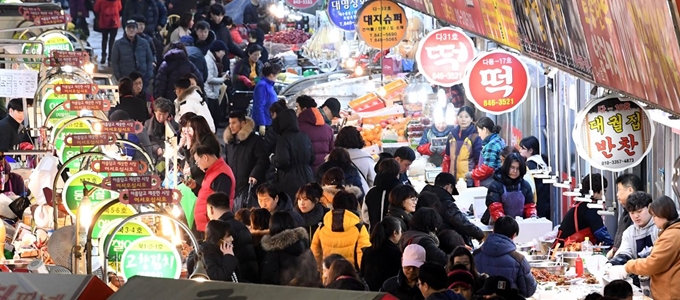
{"x": 288, "y": 37}
{"x": 372, "y": 134}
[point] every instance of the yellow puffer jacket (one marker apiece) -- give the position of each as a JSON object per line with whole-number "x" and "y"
{"x": 342, "y": 233}
{"x": 463, "y": 162}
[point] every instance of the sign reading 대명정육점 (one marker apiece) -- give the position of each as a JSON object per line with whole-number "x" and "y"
{"x": 152, "y": 257}
{"x": 343, "y": 13}
{"x": 443, "y": 56}
{"x": 613, "y": 133}
{"x": 51, "y": 41}
{"x": 497, "y": 82}
{"x": 122, "y": 239}
{"x": 73, "y": 190}
{"x": 110, "y": 217}
{"x": 382, "y": 24}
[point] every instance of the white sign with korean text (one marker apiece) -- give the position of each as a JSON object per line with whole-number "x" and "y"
{"x": 18, "y": 83}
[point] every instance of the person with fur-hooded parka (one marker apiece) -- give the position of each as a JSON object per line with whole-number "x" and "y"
{"x": 247, "y": 156}
{"x": 329, "y": 191}
{"x": 287, "y": 257}
{"x": 189, "y": 100}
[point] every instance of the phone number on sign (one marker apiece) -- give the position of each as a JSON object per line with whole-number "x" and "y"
{"x": 499, "y": 102}
{"x": 617, "y": 161}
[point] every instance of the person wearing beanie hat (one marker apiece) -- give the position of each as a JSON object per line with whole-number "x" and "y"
{"x": 187, "y": 40}
{"x": 405, "y": 284}
{"x": 195, "y": 54}
{"x": 432, "y": 283}
{"x": 218, "y": 46}
{"x": 461, "y": 282}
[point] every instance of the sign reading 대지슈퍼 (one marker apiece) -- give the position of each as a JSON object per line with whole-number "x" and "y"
{"x": 613, "y": 133}
{"x": 443, "y": 56}
{"x": 152, "y": 257}
{"x": 382, "y": 24}
{"x": 343, "y": 13}
{"x": 497, "y": 82}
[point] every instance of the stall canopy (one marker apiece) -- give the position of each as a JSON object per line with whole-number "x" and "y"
{"x": 157, "y": 288}
{"x": 628, "y": 46}
{"x": 52, "y": 286}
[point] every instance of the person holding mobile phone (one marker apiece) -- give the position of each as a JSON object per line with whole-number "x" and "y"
{"x": 217, "y": 253}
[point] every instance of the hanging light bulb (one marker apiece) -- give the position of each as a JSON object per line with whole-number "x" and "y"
{"x": 176, "y": 211}
{"x": 359, "y": 71}
{"x": 441, "y": 98}
{"x": 350, "y": 63}
{"x": 450, "y": 114}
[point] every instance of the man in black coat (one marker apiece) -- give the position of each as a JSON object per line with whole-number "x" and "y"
{"x": 222, "y": 33}
{"x": 444, "y": 187}
{"x": 218, "y": 209}
{"x": 11, "y": 125}
{"x": 246, "y": 155}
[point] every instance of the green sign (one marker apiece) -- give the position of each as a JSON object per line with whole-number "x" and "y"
{"x": 52, "y": 100}
{"x": 130, "y": 232}
{"x": 64, "y": 153}
{"x": 52, "y": 41}
{"x": 73, "y": 191}
{"x": 116, "y": 212}
{"x": 152, "y": 257}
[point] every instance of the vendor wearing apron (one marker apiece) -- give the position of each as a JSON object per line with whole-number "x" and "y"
{"x": 581, "y": 221}
{"x": 509, "y": 194}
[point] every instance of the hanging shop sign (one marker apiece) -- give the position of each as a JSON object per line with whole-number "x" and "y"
{"x": 122, "y": 239}
{"x": 152, "y": 257}
{"x": 119, "y": 166}
{"x": 443, "y": 56}
{"x": 66, "y": 152}
{"x": 382, "y": 24}
{"x": 118, "y": 127}
{"x": 613, "y": 133}
{"x": 301, "y": 4}
{"x": 73, "y": 191}
{"x": 343, "y": 13}
{"x": 90, "y": 139}
{"x": 110, "y": 217}
{"x": 77, "y": 88}
{"x": 52, "y": 101}
{"x": 103, "y": 105}
{"x": 150, "y": 196}
{"x": 469, "y": 16}
{"x": 51, "y": 41}
{"x": 497, "y": 82}
{"x": 133, "y": 182}
{"x": 499, "y": 22}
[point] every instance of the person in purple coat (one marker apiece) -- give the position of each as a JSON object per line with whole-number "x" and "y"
{"x": 79, "y": 14}
{"x": 312, "y": 123}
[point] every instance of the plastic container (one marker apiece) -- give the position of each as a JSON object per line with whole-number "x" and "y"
{"x": 587, "y": 246}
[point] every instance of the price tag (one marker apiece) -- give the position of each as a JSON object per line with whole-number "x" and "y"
{"x": 150, "y": 196}
{"x": 133, "y": 182}
{"x": 119, "y": 166}
{"x": 78, "y": 105}
{"x": 78, "y": 89}
{"x": 152, "y": 257}
{"x": 52, "y": 20}
{"x": 118, "y": 127}
{"x": 90, "y": 139}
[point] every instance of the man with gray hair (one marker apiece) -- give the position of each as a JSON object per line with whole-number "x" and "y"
{"x": 155, "y": 127}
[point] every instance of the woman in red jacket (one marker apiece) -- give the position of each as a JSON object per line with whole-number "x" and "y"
{"x": 108, "y": 12}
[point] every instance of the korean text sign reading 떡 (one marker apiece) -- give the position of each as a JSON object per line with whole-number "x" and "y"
{"x": 613, "y": 134}
{"x": 497, "y": 82}
{"x": 443, "y": 56}
{"x": 382, "y": 24}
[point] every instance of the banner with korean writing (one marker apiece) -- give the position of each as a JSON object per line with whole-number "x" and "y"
{"x": 613, "y": 133}
{"x": 443, "y": 56}
{"x": 381, "y": 24}
{"x": 499, "y": 22}
{"x": 469, "y": 16}
{"x": 343, "y": 13}
{"x": 646, "y": 29}
{"x": 568, "y": 42}
{"x": 497, "y": 82}
{"x": 533, "y": 28}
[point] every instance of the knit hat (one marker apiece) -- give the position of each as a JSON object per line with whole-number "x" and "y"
{"x": 460, "y": 277}
{"x": 414, "y": 256}
{"x": 187, "y": 40}
{"x": 218, "y": 46}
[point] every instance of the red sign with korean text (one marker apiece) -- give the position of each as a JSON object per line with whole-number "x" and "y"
{"x": 469, "y": 15}
{"x": 64, "y": 58}
{"x": 150, "y": 196}
{"x": 90, "y": 139}
{"x": 499, "y": 22}
{"x": 76, "y": 89}
{"x": 303, "y": 4}
{"x": 604, "y": 48}
{"x": 533, "y": 28}
{"x": 51, "y": 19}
{"x": 119, "y": 183}
{"x": 444, "y": 11}
{"x": 646, "y": 29}
{"x": 613, "y": 133}
{"x": 78, "y": 105}
{"x": 443, "y": 56}
{"x": 497, "y": 82}
{"x": 381, "y": 24}
{"x": 420, "y": 5}
{"x": 118, "y": 127}
{"x": 119, "y": 166}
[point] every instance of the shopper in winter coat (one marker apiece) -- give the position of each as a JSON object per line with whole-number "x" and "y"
{"x": 404, "y": 286}
{"x": 155, "y": 127}
{"x": 203, "y": 36}
{"x": 433, "y": 283}
{"x": 376, "y": 202}
{"x": 245, "y": 153}
{"x": 293, "y": 155}
{"x": 133, "y": 106}
{"x": 509, "y": 194}
{"x": 184, "y": 25}
{"x": 339, "y": 158}
{"x": 498, "y": 257}
{"x": 196, "y": 56}
{"x": 217, "y": 252}
{"x": 444, "y": 187}
{"x": 264, "y": 96}
{"x": 309, "y": 207}
{"x": 222, "y": 33}
{"x": 350, "y": 139}
{"x": 287, "y": 253}
{"x": 489, "y": 159}
{"x": 403, "y": 199}
{"x": 333, "y": 182}
{"x": 215, "y": 61}
{"x": 463, "y": 147}
{"x": 626, "y": 184}
{"x": 108, "y": 12}
{"x": 250, "y": 13}
{"x": 131, "y": 54}
{"x": 638, "y": 239}
{"x": 383, "y": 259}
{"x": 146, "y": 8}
{"x": 256, "y": 37}
{"x": 529, "y": 148}
{"x": 312, "y": 124}
{"x": 189, "y": 100}
{"x": 342, "y": 232}
{"x": 274, "y": 200}
{"x": 247, "y": 70}
{"x": 421, "y": 231}
{"x": 176, "y": 64}
{"x": 343, "y": 276}
{"x": 218, "y": 209}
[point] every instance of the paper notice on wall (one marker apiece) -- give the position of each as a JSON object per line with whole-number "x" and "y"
{"x": 18, "y": 83}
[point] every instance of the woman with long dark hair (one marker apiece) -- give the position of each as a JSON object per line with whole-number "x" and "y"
{"x": 198, "y": 133}
{"x": 382, "y": 259}
{"x": 403, "y": 200}
{"x": 217, "y": 252}
{"x": 308, "y": 205}
{"x": 530, "y": 148}
{"x": 489, "y": 157}
{"x": 184, "y": 25}
{"x": 339, "y": 158}
{"x": 509, "y": 194}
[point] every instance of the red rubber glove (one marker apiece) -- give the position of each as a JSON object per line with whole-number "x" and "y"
{"x": 496, "y": 210}
{"x": 446, "y": 163}
{"x": 424, "y": 149}
{"x": 530, "y": 210}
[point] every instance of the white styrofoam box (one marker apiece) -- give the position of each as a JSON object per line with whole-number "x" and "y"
{"x": 529, "y": 229}
{"x": 475, "y": 196}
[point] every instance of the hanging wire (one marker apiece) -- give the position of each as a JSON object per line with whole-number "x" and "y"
{"x": 566, "y": 183}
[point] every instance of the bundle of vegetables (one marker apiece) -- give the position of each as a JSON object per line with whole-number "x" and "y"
{"x": 289, "y": 37}
{"x": 324, "y": 44}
